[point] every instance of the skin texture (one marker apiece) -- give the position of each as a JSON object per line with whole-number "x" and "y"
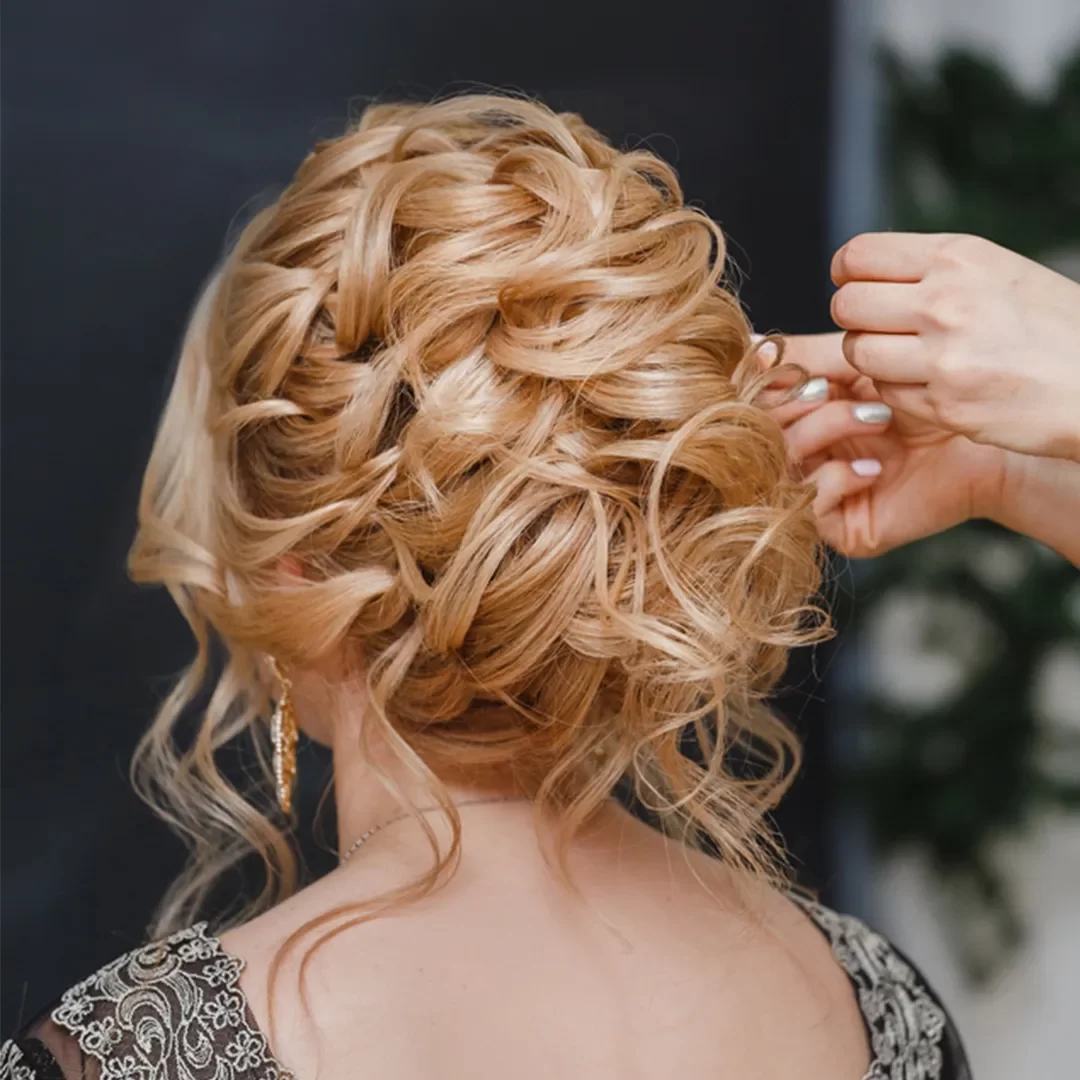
{"x": 930, "y": 479}
{"x": 506, "y": 973}
{"x": 968, "y": 357}
{"x": 965, "y": 335}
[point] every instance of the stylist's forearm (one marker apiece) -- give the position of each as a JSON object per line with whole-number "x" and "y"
{"x": 1040, "y": 497}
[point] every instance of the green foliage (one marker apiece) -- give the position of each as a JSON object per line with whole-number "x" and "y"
{"x": 952, "y": 771}
{"x": 970, "y": 153}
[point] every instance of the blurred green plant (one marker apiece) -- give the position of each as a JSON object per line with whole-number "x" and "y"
{"x": 970, "y": 642}
{"x": 969, "y": 152}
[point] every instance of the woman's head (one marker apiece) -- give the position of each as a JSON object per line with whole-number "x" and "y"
{"x": 467, "y": 415}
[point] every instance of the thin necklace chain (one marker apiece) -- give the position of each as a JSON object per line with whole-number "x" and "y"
{"x": 401, "y": 817}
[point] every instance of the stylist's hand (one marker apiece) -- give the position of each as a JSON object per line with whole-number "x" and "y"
{"x": 964, "y": 336}
{"x": 883, "y": 478}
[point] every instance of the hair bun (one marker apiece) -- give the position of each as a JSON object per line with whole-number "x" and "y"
{"x": 479, "y": 372}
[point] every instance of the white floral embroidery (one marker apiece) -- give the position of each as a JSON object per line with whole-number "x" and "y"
{"x": 11, "y": 1063}
{"x": 173, "y": 1010}
{"x": 906, "y": 1024}
{"x": 125, "y": 1068}
{"x": 219, "y": 973}
{"x": 225, "y": 1010}
{"x": 196, "y": 950}
{"x": 245, "y": 1051}
{"x": 100, "y": 1036}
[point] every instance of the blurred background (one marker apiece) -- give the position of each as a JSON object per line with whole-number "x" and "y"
{"x": 941, "y": 796}
{"x": 954, "y": 697}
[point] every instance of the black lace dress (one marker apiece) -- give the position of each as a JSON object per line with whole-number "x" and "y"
{"x": 174, "y": 1010}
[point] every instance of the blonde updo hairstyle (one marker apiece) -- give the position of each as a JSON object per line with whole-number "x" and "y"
{"x": 479, "y": 374}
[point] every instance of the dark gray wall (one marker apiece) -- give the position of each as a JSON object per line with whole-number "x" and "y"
{"x": 133, "y": 132}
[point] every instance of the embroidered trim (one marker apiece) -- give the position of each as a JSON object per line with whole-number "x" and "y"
{"x": 906, "y": 1025}
{"x": 172, "y": 1010}
{"x": 11, "y": 1063}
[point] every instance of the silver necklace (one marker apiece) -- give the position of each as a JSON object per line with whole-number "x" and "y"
{"x": 401, "y": 817}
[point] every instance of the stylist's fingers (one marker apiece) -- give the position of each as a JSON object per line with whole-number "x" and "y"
{"x": 780, "y": 398}
{"x": 836, "y": 481}
{"x": 813, "y": 394}
{"x": 820, "y": 356}
{"x": 911, "y": 399}
{"x": 880, "y": 306}
{"x": 837, "y": 420}
{"x": 886, "y": 256}
{"x": 894, "y": 358}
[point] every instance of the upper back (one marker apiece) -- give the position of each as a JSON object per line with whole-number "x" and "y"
{"x": 506, "y": 973}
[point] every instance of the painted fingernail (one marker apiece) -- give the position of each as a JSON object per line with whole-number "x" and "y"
{"x": 866, "y": 467}
{"x": 815, "y": 390}
{"x": 872, "y": 412}
{"x": 768, "y": 351}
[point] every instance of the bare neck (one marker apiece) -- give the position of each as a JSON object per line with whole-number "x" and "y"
{"x": 373, "y": 787}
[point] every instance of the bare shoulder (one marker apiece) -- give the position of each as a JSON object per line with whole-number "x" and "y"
{"x": 650, "y": 976}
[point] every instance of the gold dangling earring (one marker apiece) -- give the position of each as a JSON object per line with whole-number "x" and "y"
{"x": 284, "y": 735}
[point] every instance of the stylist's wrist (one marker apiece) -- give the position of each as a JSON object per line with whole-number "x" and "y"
{"x": 1074, "y": 454}
{"x": 1039, "y": 497}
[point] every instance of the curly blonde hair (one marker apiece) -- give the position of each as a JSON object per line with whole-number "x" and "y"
{"x": 479, "y": 372}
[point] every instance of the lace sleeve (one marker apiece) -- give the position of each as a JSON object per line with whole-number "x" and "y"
{"x": 170, "y": 1010}
{"x": 44, "y": 1051}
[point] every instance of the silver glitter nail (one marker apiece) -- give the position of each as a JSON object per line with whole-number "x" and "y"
{"x": 815, "y": 390}
{"x": 872, "y": 412}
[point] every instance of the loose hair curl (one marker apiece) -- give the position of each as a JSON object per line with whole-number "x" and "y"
{"x": 478, "y": 371}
